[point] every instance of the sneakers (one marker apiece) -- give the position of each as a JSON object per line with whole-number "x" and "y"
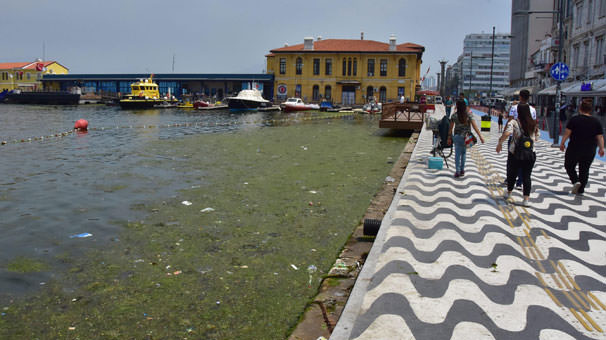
{"x": 462, "y": 173}
{"x": 518, "y": 186}
{"x": 525, "y": 203}
{"x": 457, "y": 175}
{"x": 575, "y": 188}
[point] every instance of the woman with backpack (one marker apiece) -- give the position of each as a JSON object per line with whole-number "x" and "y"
{"x": 462, "y": 121}
{"x": 521, "y": 154}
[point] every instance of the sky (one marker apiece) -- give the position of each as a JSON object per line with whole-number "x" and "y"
{"x": 228, "y": 36}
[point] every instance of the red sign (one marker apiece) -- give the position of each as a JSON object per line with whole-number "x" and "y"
{"x": 282, "y": 89}
{"x": 39, "y": 66}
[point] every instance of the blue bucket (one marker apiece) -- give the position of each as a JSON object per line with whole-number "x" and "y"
{"x": 435, "y": 163}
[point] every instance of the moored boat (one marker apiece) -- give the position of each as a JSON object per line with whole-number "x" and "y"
{"x": 201, "y": 103}
{"x": 247, "y": 100}
{"x": 42, "y": 98}
{"x": 144, "y": 94}
{"x": 297, "y": 104}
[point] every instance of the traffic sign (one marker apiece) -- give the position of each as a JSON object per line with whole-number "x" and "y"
{"x": 559, "y": 71}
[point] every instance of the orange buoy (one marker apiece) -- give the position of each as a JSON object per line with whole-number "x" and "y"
{"x": 81, "y": 124}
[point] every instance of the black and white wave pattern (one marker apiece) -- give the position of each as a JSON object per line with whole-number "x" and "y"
{"x": 456, "y": 261}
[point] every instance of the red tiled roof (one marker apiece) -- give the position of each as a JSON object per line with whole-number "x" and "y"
{"x": 22, "y": 65}
{"x": 351, "y": 45}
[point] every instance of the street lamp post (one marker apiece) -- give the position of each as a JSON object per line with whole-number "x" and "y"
{"x": 556, "y": 135}
{"x": 491, "y": 65}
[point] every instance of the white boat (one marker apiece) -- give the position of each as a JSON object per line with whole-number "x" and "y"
{"x": 297, "y": 104}
{"x": 247, "y": 100}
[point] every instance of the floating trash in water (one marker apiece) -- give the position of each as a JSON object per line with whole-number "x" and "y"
{"x": 83, "y": 235}
{"x": 312, "y": 269}
{"x": 389, "y": 179}
{"x": 294, "y": 267}
{"x": 207, "y": 210}
{"x": 313, "y": 192}
{"x": 304, "y": 147}
{"x": 186, "y": 203}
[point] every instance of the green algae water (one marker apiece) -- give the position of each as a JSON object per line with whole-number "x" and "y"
{"x": 236, "y": 253}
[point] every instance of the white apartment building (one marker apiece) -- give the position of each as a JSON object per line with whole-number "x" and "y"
{"x": 587, "y": 54}
{"x": 475, "y": 64}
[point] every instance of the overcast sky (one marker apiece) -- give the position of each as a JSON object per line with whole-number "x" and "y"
{"x": 223, "y": 36}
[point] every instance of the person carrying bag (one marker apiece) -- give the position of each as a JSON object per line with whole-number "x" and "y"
{"x": 521, "y": 151}
{"x": 462, "y": 121}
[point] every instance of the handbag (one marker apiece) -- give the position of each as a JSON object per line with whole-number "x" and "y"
{"x": 470, "y": 139}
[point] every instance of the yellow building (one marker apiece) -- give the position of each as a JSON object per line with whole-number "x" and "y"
{"x": 346, "y": 71}
{"x": 27, "y": 75}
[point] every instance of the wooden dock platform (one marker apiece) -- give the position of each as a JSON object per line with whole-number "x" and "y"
{"x": 213, "y": 107}
{"x": 403, "y": 116}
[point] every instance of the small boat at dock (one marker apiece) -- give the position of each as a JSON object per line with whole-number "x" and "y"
{"x": 297, "y": 104}
{"x": 247, "y": 100}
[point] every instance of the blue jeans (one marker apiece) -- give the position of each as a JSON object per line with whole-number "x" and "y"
{"x": 460, "y": 152}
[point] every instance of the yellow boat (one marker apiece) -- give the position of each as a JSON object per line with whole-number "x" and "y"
{"x": 144, "y": 94}
{"x": 185, "y": 105}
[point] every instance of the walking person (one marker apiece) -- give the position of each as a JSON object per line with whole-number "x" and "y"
{"x": 521, "y": 153}
{"x": 462, "y": 121}
{"x": 500, "y": 121}
{"x": 448, "y": 105}
{"x": 585, "y": 133}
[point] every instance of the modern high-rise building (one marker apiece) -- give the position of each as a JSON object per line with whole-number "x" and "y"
{"x": 478, "y": 63}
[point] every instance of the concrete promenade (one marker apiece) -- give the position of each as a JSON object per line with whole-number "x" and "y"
{"x": 453, "y": 260}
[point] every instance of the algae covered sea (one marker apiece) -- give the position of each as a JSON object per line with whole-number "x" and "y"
{"x": 219, "y": 234}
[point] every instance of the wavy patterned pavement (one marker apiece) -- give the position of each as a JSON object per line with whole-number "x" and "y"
{"x": 453, "y": 260}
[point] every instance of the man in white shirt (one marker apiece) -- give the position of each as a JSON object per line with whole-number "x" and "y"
{"x": 524, "y": 96}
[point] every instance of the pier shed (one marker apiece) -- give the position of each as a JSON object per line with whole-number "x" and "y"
{"x": 216, "y": 86}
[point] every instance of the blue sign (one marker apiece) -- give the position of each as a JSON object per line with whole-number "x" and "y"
{"x": 559, "y": 71}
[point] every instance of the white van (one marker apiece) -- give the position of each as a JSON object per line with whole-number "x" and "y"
{"x": 438, "y": 100}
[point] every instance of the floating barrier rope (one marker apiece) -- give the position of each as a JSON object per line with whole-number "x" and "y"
{"x": 266, "y": 122}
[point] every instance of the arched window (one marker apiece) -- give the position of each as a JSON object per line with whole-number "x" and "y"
{"x": 382, "y": 94}
{"x": 369, "y": 93}
{"x": 402, "y": 67}
{"x": 315, "y": 93}
{"x": 299, "y": 66}
{"x": 327, "y": 92}
{"x": 349, "y": 67}
{"x": 355, "y": 66}
{"x": 344, "y": 66}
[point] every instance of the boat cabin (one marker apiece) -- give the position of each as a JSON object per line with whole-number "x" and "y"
{"x": 145, "y": 88}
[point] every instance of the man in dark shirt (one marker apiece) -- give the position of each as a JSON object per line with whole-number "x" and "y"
{"x": 585, "y": 133}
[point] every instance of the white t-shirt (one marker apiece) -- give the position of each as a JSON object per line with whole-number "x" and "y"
{"x": 514, "y": 112}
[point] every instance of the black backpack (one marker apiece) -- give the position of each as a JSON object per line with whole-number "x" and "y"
{"x": 523, "y": 149}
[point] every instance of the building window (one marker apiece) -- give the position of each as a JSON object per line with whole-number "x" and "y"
{"x": 599, "y": 52}
{"x": 344, "y": 66}
{"x": 299, "y": 66}
{"x": 316, "y": 66}
{"x": 298, "y": 90}
{"x": 402, "y": 67}
{"x": 349, "y": 67}
{"x": 369, "y": 93}
{"x": 579, "y": 14}
{"x": 28, "y": 76}
{"x": 589, "y": 11}
{"x": 382, "y": 94}
{"x": 327, "y": 92}
{"x": 602, "y": 8}
{"x": 328, "y": 65}
{"x": 355, "y": 67}
{"x": 401, "y": 92}
{"x": 585, "y": 53}
{"x": 371, "y": 66}
{"x": 383, "y": 67}
{"x": 575, "y": 55}
{"x": 315, "y": 93}
{"x": 282, "y": 65}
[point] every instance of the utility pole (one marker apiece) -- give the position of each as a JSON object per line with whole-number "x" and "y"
{"x": 556, "y": 135}
{"x": 491, "y": 66}
{"x": 470, "y": 68}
